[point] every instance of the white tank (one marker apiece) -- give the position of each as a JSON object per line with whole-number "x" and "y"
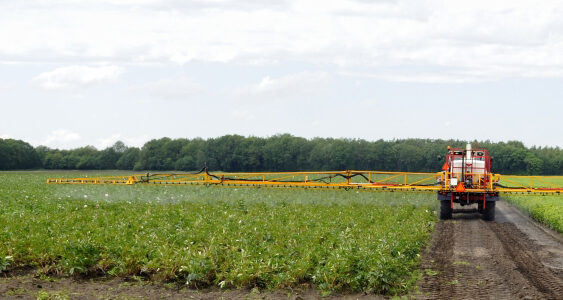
{"x": 473, "y": 166}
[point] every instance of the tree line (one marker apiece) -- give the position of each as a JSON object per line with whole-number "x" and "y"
{"x": 282, "y": 152}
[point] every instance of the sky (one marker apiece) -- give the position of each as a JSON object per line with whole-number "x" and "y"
{"x": 83, "y": 72}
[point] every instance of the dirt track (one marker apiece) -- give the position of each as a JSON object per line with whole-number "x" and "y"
{"x": 510, "y": 258}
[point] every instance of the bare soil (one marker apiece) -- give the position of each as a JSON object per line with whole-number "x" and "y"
{"x": 28, "y": 286}
{"x": 512, "y": 257}
{"x": 25, "y": 284}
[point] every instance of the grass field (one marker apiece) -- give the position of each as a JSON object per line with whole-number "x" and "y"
{"x": 202, "y": 236}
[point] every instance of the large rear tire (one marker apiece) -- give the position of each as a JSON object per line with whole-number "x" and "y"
{"x": 445, "y": 210}
{"x": 489, "y": 212}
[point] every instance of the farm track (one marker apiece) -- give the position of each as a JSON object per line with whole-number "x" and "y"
{"x": 510, "y": 258}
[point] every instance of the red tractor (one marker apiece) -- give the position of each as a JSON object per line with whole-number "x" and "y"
{"x": 467, "y": 179}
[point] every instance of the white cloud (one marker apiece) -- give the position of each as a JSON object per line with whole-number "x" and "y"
{"x": 368, "y": 104}
{"x": 506, "y": 38}
{"x": 103, "y": 143}
{"x": 6, "y": 86}
{"x": 5, "y": 136}
{"x": 61, "y": 138}
{"x": 443, "y": 76}
{"x": 294, "y": 85}
{"x": 503, "y": 39}
{"x": 244, "y": 115}
{"x": 173, "y": 88}
{"x": 134, "y": 141}
{"x": 76, "y": 76}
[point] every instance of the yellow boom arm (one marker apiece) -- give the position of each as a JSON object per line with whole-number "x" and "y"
{"x": 368, "y": 180}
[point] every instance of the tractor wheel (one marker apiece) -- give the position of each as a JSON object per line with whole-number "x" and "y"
{"x": 480, "y": 207}
{"x": 445, "y": 210}
{"x": 489, "y": 212}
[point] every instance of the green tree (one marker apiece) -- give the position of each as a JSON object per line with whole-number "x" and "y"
{"x": 534, "y": 165}
{"x": 17, "y": 154}
{"x": 282, "y": 152}
{"x": 128, "y": 159}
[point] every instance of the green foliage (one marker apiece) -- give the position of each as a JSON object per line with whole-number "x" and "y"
{"x": 52, "y": 295}
{"x": 5, "y": 262}
{"x": 16, "y": 154}
{"x": 546, "y": 209}
{"x": 235, "y": 153}
{"x": 213, "y": 236}
{"x": 127, "y": 159}
{"x": 534, "y": 165}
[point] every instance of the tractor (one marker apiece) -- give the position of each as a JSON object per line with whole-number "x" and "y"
{"x": 467, "y": 179}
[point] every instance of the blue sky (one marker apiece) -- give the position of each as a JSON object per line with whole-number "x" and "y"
{"x": 76, "y": 73}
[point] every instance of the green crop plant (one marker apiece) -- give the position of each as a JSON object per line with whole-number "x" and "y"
{"x": 5, "y": 262}
{"x": 269, "y": 238}
{"x": 546, "y": 209}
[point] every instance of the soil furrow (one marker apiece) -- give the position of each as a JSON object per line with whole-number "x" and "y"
{"x": 469, "y": 258}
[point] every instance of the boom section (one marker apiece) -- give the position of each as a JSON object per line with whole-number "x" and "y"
{"x": 351, "y": 179}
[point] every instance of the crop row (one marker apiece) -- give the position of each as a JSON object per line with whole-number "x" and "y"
{"x": 546, "y": 209}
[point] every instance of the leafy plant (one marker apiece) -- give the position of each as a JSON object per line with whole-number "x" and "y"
{"x": 231, "y": 238}
{"x": 546, "y": 209}
{"x": 5, "y": 262}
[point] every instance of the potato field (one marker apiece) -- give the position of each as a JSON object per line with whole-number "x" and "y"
{"x": 227, "y": 238}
